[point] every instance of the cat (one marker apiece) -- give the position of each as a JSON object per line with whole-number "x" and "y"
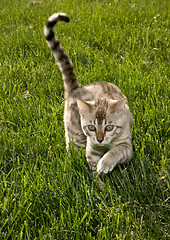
{"x": 96, "y": 116}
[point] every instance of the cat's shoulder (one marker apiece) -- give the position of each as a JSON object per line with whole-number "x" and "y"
{"x": 97, "y": 90}
{"x": 105, "y": 86}
{"x": 107, "y": 89}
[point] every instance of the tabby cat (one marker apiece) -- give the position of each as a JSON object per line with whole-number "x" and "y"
{"x": 96, "y": 116}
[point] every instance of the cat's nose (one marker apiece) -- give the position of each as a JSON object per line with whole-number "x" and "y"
{"x": 100, "y": 140}
{"x": 100, "y": 137}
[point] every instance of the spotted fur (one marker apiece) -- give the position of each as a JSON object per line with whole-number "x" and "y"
{"x": 96, "y": 116}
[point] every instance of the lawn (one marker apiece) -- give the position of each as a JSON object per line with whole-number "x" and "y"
{"x": 46, "y": 194}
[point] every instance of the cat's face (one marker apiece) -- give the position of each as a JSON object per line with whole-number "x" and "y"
{"x": 102, "y": 121}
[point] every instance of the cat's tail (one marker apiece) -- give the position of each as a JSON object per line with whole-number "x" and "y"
{"x": 63, "y": 62}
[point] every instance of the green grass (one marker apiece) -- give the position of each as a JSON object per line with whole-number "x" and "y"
{"x": 46, "y": 194}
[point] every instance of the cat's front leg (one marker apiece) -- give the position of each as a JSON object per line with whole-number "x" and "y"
{"x": 93, "y": 156}
{"x": 117, "y": 155}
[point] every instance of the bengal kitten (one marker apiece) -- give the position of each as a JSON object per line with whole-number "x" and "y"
{"x": 96, "y": 116}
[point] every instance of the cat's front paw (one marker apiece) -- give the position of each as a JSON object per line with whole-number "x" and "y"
{"x": 105, "y": 166}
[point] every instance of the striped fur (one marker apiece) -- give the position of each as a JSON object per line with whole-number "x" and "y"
{"x": 96, "y": 116}
{"x": 62, "y": 59}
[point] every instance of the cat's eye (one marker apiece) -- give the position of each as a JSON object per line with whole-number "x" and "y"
{"x": 91, "y": 127}
{"x": 109, "y": 128}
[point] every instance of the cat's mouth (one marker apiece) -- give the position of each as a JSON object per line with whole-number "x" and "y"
{"x": 102, "y": 144}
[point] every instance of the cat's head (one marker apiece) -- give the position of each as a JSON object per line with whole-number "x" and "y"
{"x": 102, "y": 120}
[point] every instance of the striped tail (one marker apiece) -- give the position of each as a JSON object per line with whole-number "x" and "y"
{"x": 63, "y": 62}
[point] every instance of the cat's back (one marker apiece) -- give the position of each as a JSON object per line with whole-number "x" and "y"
{"x": 98, "y": 90}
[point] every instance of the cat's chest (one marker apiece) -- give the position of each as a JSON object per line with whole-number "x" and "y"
{"x": 103, "y": 148}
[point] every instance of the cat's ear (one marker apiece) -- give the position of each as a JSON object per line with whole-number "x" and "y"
{"x": 119, "y": 106}
{"x": 85, "y": 108}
